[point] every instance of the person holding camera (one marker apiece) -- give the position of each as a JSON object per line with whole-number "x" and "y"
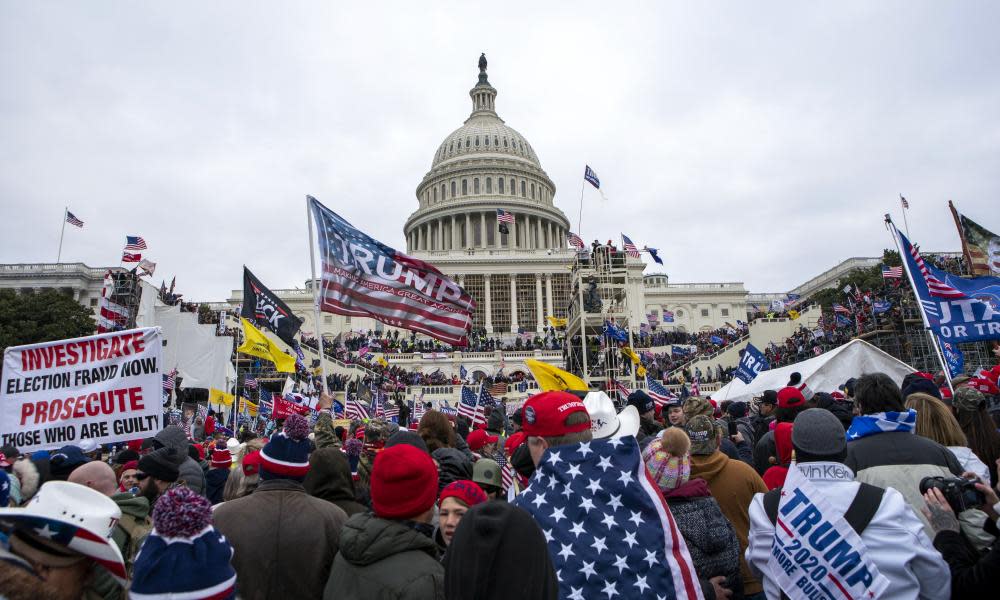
{"x": 973, "y": 575}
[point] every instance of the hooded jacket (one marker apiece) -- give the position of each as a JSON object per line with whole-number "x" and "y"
{"x": 384, "y": 560}
{"x": 191, "y": 472}
{"x": 284, "y": 540}
{"x": 710, "y": 538}
{"x": 895, "y": 541}
{"x": 733, "y": 484}
{"x": 329, "y": 479}
{"x": 453, "y": 465}
{"x": 133, "y": 527}
{"x": 900, "y": 460}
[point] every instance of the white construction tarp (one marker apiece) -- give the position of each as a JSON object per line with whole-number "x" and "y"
{"x": 201, "y": 358}
{"x": 824, "y": 373}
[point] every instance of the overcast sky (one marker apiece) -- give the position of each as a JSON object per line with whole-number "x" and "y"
{"x": 748, "y": 142}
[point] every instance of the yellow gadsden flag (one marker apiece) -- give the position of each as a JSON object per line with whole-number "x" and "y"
{"x": 217, "y": 397}
{"x": 557, "y": 321}
{"x": 793, "y": 314}
{"x": 258, "y": 345}
{"x": 550, "y": 378}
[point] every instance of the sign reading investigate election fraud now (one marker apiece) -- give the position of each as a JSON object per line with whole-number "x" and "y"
{"x": 103, "y": 388}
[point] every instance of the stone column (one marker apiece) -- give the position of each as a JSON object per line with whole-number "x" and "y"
{"x": 454, "y": 234}
{"x": 552, "y": 239}
{"x": 548, "y": 294}
{"x": 513, "y": 303}
{"x": 489, "y": 304}
{"x": 482, "y": 230}
{"x": 538, "y": 302}
{"x": 468, "y": 231}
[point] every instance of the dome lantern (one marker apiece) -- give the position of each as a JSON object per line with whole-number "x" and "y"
{"x": 483, "y": 95}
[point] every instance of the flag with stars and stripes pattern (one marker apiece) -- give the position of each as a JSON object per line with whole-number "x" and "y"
{"x": 609, "y": 531}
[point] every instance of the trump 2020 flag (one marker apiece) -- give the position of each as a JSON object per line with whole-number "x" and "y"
{"x": 609, "y": 531}
{"x": 803, "y": 512}
{"x": 954, "y": 356}
{"x": 365, "y": 278}
{"x": 751, "y": 364}
{"x": 263, "y": 308}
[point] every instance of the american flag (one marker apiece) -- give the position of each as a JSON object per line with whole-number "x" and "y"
{"x": 130, "y": 257}
{"x": 840, "y": 308}
{"x": 265, "y": 405}
{"x": 903, "y": 201}
{"x": 72, "y": 220}
{"x": 391, "y": 410}
{"x": 623, "y": 392}
{"x": 695, "y": 386}
{"x": 619, "y": 538}
{"x": 355, "y": 409}
{"x": 169, "y": 380}
{"x": 250, "y": 383}
{"x": 499, "y": 388}
{"x": 113, "y": 316}
{"x": 658, "y": 392}
{"x": 134, "y": 242}
{"x": 630, "y": 248}
{"x": 935, "y": 286}
{"x": 506, "y": 475}
{"x": 363, "y": 277}
{"x": 575, "y": 240}
{"x": 418, "y": 408}
{"x": 892, "y": 272}
{"x": 470, "y": 406}
{"x": 668, "y": 316}
{"x": 504, "y": 216}
{"x": 591, "y": 177}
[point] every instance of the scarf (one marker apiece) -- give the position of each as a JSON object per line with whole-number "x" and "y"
{"x": 866, "y": 425}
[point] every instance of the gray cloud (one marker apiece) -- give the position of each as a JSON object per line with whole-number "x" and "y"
{"x": 750, "y": 144}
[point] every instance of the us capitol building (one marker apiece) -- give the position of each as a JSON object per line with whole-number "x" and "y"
{"x": 516, "y": 279}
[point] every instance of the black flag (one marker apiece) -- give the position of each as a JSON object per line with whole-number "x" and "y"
{"x": 263, "y": 308}
{"x": 503, "y": 229}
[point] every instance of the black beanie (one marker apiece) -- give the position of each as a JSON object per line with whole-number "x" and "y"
{"x": 160, "y": 464}
{"x": 521, "y": 461}
{"x": 913, "y": 384}
{"x": 499, "y": 552}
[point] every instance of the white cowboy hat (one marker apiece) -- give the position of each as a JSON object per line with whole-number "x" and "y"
{"x": 605, "y": 422}
{"x": 76, "y": 517}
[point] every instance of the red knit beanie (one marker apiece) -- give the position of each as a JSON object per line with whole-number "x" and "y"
{"x": 467, "y": 491}
{"x": 404, "y": 482}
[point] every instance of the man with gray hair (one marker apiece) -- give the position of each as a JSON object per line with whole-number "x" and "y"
{"x": 892, "y": 536}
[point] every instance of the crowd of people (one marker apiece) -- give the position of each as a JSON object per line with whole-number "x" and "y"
{"x": 439, "y": 507}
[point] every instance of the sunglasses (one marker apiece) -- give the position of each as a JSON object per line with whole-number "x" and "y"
{"x": 141, "y": 476}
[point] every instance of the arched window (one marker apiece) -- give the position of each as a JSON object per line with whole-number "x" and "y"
{"x": 451, "y": 147}
{"x": 453, "y": 188}
{"x": 499, "y": 185}
{"x": 435, "y": 194}
{"x": 475, "y": 185}
{"x": 477, "y": 141}
{"x": 486, "y": 140}
{"x": 513, "y": 189}
{"x": 489, "y": 184}
{"x": 505, "y": 142}
{"x": 532, "y": 191}
{"x": 496, "y": 141}
{"x": 442, "y": 191}
{"x": 467, "y": 142}
{"x": 465, "y": 187}
{"x": 523, "y": 195}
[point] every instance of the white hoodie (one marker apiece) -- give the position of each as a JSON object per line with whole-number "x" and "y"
{"x": 895, "y": 538}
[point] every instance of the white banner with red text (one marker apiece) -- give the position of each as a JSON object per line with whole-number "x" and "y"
{"x": 103, "y": 388}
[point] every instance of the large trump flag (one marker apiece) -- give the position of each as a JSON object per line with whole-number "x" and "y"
{"x": 363, "y": 277}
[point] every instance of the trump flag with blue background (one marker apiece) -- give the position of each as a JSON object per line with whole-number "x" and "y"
{"x": 608, "y": 528}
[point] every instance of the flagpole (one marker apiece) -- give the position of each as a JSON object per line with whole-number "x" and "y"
{"x": 315, "y": 289}
{"x": 63, "y": 232}
{"x": 579, "y": 221}
{"x": 920, "y": 305}
{"x": 906, "y": 224}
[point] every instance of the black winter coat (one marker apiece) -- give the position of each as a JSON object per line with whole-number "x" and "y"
{"x": 972, "y": 575}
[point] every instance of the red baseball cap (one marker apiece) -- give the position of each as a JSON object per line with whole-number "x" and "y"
{"x": 545, "y": 414}
{"x": 513, "y": 442}
{"x": 983, "y": 385}
{"x": 790, "y": 397}
{"x": 479, "y": 438}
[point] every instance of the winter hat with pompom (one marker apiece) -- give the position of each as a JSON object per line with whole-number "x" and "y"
{"x": 286, "y": 456}
{"x": 184, "y": 556}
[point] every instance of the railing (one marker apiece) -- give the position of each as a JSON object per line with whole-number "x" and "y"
{"x": 55, "y": 268}
{"x": 701, "y": 357}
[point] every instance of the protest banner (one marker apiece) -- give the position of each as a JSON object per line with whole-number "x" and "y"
{"x": 104, "y": 388}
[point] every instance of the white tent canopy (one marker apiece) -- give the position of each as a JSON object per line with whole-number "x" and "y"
{"x": 824, "y": 373}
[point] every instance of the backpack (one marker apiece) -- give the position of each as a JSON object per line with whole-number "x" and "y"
{"x": 859, "y": 514}
{"x": 136, "y": 531}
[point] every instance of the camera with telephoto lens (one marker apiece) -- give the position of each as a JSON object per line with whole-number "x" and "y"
{"x": 961, "y": 494}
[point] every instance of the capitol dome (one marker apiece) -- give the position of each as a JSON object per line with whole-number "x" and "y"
{"x": 482, "y": 166}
